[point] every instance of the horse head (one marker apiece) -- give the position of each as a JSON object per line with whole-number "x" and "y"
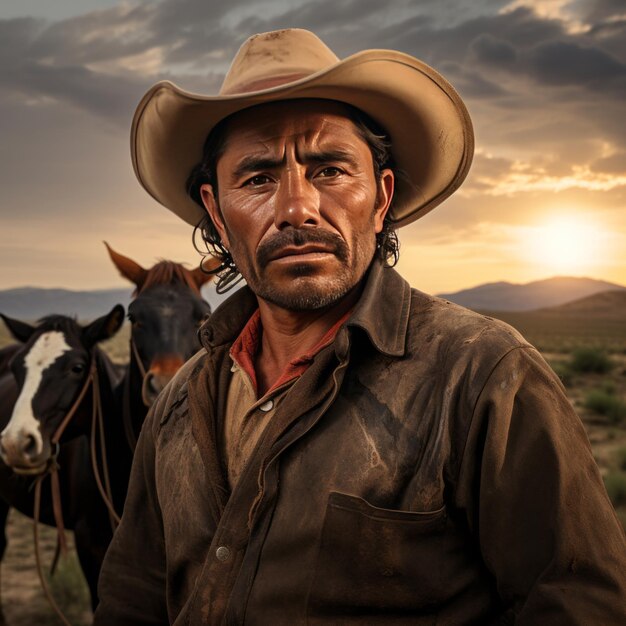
{"x": 165, "y": 313}
{"x": 52, "y": 371}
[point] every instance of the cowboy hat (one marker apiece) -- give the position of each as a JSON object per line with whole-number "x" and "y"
{"x": 432, "y": 140}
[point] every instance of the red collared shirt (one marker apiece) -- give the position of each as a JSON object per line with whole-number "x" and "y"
{"x": 247, "y": 415}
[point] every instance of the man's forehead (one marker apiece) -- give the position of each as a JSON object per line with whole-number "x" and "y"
{"x": 314, "y": 121}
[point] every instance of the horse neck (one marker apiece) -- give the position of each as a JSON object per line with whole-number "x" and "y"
{"x": 111, "y": 415}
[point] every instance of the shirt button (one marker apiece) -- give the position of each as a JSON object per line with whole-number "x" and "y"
{"x": 222, "y": 553}
{"x": 268, "y": 405}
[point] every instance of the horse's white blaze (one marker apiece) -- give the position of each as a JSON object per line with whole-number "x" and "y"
{"x": 45, "y": 351}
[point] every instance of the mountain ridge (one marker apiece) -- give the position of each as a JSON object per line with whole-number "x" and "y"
{"x": 539, "y": 294}
{"x": 32, "y": 303}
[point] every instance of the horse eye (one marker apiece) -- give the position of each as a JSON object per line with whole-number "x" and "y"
{"x": 78, "y": 368}
{"x": 134, "y": 322}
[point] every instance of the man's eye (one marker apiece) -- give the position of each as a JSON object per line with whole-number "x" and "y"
{"x": 259, "y": 179}
{"x": 329, "y": 172}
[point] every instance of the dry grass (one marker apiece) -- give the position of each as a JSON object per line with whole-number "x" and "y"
{"x": 23, "y": 601}
{"x": 554, "y": 333}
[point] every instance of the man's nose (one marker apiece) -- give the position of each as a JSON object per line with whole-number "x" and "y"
{"x": 297, "y": 202}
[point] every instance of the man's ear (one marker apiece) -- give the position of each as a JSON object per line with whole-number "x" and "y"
{"x": 211, "y": 205}
{"x": 385, "y": 196}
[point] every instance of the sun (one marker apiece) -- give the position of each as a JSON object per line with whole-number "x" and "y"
{"x": 566, "y": 244}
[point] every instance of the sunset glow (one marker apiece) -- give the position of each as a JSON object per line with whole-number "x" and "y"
{"x": 566, "y": 245}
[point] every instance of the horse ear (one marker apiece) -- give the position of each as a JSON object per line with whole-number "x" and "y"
{"x": 128, "y": 268}
{"x": 104, "y": 327}
{"x": 200, "y": 275}
{"x": 20, "y": 330}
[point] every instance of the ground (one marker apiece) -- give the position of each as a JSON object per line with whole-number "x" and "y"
{"x": 23, "y": 601}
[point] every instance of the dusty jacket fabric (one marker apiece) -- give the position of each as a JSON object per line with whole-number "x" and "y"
{"x": 426, "y": 469}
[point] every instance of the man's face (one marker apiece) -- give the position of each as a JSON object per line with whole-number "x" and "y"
{"x": 298, "y": 206}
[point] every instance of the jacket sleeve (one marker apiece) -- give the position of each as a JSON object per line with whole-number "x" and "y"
{"x": 131, "y": 587}
{"x": 535, "y": 500}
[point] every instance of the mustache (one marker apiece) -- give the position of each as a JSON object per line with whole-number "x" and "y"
{"x": 301, "y": 237}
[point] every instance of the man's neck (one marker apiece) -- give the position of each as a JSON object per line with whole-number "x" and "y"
{"x": 290, "y": 334}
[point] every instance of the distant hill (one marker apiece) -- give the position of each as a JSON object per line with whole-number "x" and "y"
{"x": 540, "y": 294}
{"x": 31, "y": 303}
{"x": 598, "y": 320}
{"x": 608, "y": 305}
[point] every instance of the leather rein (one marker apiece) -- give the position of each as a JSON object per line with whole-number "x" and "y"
{"x": 103, "y": 482}
{"x": 127, "y": 412}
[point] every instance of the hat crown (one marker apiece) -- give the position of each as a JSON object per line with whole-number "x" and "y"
{"x": 275, "y": 58}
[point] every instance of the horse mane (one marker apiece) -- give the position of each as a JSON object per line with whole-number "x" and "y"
{"x": 166, "y": 273}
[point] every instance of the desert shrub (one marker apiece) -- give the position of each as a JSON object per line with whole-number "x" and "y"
{"x": 615, "y": 484}
{"x": 68, "y": 585}
{"x": 606, "y": 403}
{"x": 590, "y": 361}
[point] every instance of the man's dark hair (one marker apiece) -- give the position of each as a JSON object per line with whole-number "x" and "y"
{"x": 379, "y": 143}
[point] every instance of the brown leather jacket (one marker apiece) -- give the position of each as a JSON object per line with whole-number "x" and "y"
{"x": 426, "y": 469}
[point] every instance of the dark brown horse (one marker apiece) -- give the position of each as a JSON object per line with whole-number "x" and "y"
{"x": 55, "y": 371}
{"x": 165, "y": 313}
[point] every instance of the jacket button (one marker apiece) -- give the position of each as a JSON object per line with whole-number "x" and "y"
{"x": 222, "y": 553}
{"x": 268, "y": 405}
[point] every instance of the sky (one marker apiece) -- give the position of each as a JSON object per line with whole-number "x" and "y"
{"x": 544, "y": 81}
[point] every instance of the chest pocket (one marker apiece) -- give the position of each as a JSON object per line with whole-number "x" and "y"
{"x": 377, "y": 561}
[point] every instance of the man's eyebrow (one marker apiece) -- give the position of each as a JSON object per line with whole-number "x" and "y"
{"x": 333, "y": 155}
{"x": 254, "y": 163}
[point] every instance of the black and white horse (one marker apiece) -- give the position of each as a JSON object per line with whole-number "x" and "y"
{"x": 52, "y": 374}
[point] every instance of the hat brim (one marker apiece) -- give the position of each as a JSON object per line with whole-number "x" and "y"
{"x": 431, "y": 133}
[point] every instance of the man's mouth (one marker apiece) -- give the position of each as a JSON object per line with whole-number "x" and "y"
{"x": 307, "y": 252}
{"x": 303, "y": 246}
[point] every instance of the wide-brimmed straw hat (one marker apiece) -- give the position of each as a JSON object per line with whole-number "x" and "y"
{"x": 431, "y": 133}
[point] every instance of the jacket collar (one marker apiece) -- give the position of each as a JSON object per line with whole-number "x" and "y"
{"x": 228, "y": 320}
{"x": 382, "y": 312}
{"x": 383, "y": 309}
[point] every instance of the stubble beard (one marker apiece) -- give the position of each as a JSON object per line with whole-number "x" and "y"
{"x": 309, "y": 289}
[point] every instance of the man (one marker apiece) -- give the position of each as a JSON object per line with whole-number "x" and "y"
{"x": 344, "y": 449}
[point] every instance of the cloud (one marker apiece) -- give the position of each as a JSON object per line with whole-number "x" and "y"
{"x": 109, "y": 97}
{"x": 16, "y": 36}
{"x": 544, "y": 82}
{"x": 493, "y": 51}
{"x": 564, "y": 63}
{"x": 614, "y": 164}
{"x": 599, "y": 11}
{"x": 523, "y": 178}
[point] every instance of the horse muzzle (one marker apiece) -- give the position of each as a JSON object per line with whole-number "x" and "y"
{"x": 25, "y": 453}
{"x": 161, "y": 371}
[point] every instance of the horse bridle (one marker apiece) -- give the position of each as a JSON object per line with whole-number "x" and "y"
{"x": 131, "y": 438}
